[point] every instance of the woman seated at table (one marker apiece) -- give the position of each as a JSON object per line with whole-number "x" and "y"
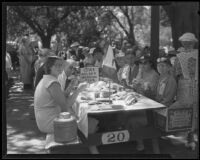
{"x": 166, "y": 89}
{"x": 49, "y": 99}
{"x": 145, "y": 84}
{"x": 147, "y": 78}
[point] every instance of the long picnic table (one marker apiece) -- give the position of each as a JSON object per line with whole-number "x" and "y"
{"x": 121, "y": 134}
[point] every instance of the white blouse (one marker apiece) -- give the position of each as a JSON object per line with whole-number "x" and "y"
{"x": 46, "y": 109}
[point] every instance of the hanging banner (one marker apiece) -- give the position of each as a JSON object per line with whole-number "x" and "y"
{"x": 90, "y": 74}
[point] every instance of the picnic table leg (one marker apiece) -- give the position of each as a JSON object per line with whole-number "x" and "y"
{"x": 155, "y": 145}
{"x": 93, "y": 150}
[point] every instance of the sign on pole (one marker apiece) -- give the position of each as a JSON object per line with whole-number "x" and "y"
{"x": 90, "y": 74}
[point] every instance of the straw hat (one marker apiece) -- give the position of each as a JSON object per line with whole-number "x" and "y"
{"x": 188, "y": 37}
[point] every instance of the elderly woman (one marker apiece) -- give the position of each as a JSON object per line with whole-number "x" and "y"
{"x": 67, "y": 81}
{"x": 186, "y": 71}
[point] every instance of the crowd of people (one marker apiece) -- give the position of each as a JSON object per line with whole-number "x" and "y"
{"x": 173, "y": 83}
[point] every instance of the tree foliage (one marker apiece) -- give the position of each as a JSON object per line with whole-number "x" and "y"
{"x": 86, "y": 24}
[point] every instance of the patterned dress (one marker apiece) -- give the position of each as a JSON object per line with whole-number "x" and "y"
{"x": 186, "y": 71}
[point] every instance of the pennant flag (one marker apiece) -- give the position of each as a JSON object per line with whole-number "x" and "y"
{"x": 108, "y": 65}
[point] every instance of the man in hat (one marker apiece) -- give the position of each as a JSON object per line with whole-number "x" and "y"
{"x": 186, "y": 71}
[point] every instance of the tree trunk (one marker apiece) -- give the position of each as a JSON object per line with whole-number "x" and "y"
{"x": 184, "y": 18}
{"x": 46, "y": 41}
{"x": 155, "y": 17}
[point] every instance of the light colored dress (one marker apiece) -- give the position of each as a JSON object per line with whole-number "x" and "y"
{"x": 186, "y": 70}
{"x": 26, "y": 58}
{"x": 8, "y": 64}
{"x": 46, "y": 109}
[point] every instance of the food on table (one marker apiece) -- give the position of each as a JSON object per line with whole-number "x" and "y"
{"x": 105, "y": 94}
{"x": 115, "y": 106}
{"x": 130, "y": 100}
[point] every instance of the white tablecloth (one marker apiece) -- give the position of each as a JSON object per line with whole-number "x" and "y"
{"x": 82, "y": 109}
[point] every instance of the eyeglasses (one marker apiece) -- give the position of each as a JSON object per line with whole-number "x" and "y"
{"x": 162, "y": 59}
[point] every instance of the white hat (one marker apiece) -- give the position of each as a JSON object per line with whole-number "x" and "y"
{"x": 188, "y": 37}
{"x": 75, "y": 44}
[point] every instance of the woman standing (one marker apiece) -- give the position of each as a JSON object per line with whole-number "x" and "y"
{"x": 26, "y": 58}
{"x": 186, "y": 71}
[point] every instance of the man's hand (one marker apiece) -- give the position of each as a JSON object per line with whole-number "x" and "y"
{"x": 82, "y": 86}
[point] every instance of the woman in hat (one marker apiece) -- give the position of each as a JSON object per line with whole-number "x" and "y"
{"x": 186, "y": 71}
{"x": 145, "y": 83}
{"x": 166, "y": 89}
{"x": 147, "y": 78}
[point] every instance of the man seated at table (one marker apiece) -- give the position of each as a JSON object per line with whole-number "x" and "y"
{"x": 130, "y": 69}
{"x": 68, "y": 80}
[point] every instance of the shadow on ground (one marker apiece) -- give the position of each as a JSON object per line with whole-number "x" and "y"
{"x": 23, "y": 136}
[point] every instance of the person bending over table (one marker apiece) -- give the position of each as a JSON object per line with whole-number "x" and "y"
{"x": 49, "y": 99}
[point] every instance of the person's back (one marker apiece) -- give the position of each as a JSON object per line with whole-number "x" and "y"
{"x": 45, "y": 107}
{"x": 39, "y": 74}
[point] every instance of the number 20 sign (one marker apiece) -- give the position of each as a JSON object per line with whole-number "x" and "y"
{"x": 115, "y": 137}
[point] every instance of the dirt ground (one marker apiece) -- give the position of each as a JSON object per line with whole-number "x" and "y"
{"x": 23, "y": 136}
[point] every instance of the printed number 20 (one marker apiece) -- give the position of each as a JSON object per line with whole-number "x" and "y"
{"x": 119, "y": 137}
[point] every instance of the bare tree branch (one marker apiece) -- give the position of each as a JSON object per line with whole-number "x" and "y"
{"x": 28, "y": 20}
{"x": 120, "y": 24}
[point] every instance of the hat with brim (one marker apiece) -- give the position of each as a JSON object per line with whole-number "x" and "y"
{"x": 119, "y": 55}
{"x": 164, "y": 59}
{"x": 75, "y": 44}
{"x": 172, "y": 53}
{"x": 144, "y": 58}
{"x": 188, "y": 37}
{"x": 92, "y": 50}
{"x": 86, "y": 49}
